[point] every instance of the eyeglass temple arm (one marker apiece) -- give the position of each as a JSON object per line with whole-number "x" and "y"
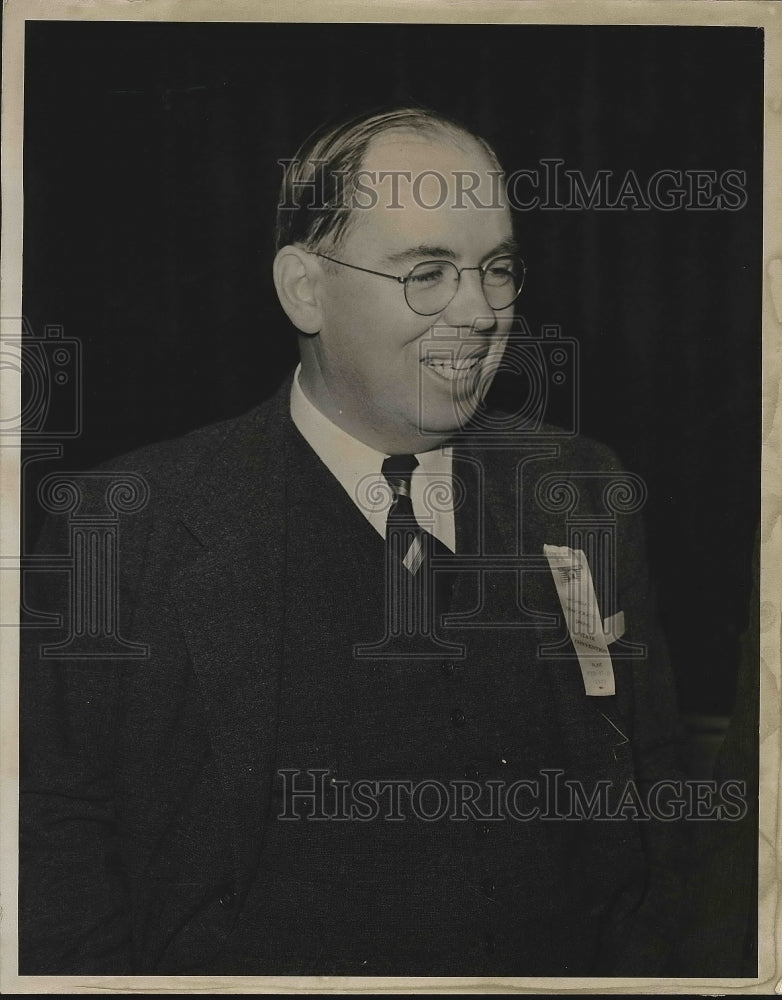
{"x": 366, "y": 270}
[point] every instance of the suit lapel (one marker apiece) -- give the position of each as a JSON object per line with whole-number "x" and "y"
{"x": 501, "y": 517}
{"x": 231, "y": 607}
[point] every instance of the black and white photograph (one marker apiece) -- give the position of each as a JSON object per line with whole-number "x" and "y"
{"x": 388, "y": 459}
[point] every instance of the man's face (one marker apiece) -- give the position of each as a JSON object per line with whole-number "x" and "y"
{"x": 396, "y": 380}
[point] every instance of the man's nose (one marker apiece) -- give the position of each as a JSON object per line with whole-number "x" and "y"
{"x": 469, "y": 307}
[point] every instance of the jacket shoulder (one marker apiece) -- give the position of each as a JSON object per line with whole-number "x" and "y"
{"x": 560, "y": 450}
{"x": 173, "y": 458}
{"x": 583, "y": 452}
{"x": 176, "y": 464}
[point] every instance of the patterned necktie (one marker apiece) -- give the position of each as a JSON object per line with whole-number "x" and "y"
{"x": 410, "y": 549}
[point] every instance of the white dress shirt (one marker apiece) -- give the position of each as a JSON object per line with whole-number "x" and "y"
{"x": 357, "y": 468}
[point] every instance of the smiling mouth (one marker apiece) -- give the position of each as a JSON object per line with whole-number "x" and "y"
{"x": 452, "y": 370}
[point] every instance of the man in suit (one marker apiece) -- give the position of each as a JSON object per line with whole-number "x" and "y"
{"x": 342, "y": 607}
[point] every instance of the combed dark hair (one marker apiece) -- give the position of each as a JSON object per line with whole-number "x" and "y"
{"x": 326, "y": 165}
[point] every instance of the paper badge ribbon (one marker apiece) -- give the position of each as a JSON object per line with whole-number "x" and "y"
{"x": 573, "y": 580}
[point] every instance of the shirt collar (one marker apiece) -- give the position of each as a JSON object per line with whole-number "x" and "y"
{"x": 356, "y": 466}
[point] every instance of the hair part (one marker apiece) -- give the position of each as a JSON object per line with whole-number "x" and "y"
{"x": 311, "y": 211}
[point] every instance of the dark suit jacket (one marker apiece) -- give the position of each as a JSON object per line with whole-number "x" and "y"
{"x": 146, "y": 782}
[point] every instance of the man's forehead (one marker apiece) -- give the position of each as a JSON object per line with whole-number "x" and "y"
{"x": 450, "y": 155}
{"x": 424, "y": 188}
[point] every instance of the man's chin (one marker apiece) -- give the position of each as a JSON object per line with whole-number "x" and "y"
{"x": 437, "y": 431}
{"x": 451, "y": 409}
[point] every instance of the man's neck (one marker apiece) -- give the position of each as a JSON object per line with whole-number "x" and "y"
{"x": 378, "y": 439}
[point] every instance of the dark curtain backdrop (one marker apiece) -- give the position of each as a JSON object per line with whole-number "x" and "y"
{"x": 150, "y": 191}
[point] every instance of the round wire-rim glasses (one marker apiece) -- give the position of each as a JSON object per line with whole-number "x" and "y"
{"x": 430, "y": 285}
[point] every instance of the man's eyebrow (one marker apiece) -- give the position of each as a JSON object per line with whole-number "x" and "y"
{"x": 508, "y": 245}
{"x": 426, "y": 251}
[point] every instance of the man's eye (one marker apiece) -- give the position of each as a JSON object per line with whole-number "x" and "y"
{"x": 499, "y": 274}
{"x": 429, "y": 274}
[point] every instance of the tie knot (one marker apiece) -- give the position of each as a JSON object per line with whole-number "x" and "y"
{"x": 398, "y": 470}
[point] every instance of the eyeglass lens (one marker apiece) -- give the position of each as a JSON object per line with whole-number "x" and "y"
{"x": 431, "y": 285}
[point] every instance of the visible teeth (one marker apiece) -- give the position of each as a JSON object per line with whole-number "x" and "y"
{"x": 452, "y": 369}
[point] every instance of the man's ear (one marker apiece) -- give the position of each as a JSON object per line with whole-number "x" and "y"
{"x": 297, "y": 279}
